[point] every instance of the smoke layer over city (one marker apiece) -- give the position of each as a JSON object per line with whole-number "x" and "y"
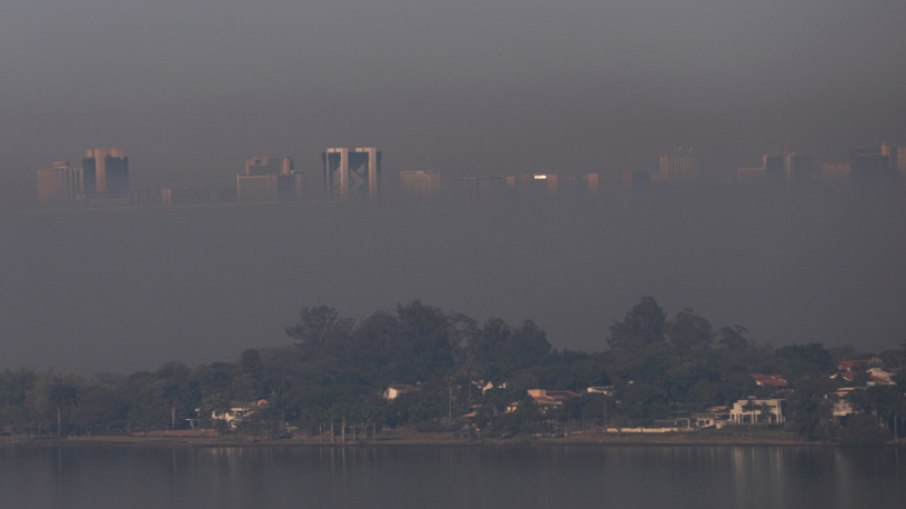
{"x": 190, "y": 89}
{"x": 117, "y": 290}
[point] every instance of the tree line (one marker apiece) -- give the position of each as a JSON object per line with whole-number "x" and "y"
{"x": 337, "y": 368}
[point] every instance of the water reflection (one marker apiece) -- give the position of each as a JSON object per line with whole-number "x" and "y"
{"x": 526, "y": 477}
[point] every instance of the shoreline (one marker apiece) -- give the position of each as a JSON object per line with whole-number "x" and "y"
{"x": 170, "y": 439}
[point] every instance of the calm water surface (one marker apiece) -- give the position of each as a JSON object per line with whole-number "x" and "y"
{"x": 451, "y": 477}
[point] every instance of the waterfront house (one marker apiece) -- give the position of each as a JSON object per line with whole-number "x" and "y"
{"x": 758, "y": 411}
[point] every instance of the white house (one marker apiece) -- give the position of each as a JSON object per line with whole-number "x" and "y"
{"x": 396, "y": 390}
{"x": 758, "y": 411}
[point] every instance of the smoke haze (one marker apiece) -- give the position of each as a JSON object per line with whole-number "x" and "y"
{"x": 128, "y": 289}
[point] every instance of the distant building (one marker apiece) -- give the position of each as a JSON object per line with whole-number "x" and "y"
{"x": 636, "y": 179}
{"x": 394, "y": 391}
{"x": 105, "y": 174}
{"x": 798, "y": 169}
{"x": 901, "y": 161}
{"x": 485, "y": 188}
{"x": 239, "y": 413}
{"x": 758, "y": 411}
{"x": 352, "y": 174}
{"x": 870, "y": 166}
{"x": 538, "y": 184}
{"x": 678, "y": 166}
{"x": 546, "y": 397}
{"x": 592, "y": 182}
{"x": 836, "y": 172}
{"x": 420, "y": 183}
{"x": 752, "y": 174}
{"x": 774, "y": 167}
{"x": 60, "y": 186}
{"x": 774, "y": 381}
{"x": 268, "y": 180}
{"x": 170, "y": 197}
{"x": 604, "y": 390}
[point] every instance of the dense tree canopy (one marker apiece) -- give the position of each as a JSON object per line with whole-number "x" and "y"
{"x": 337, "y": 369}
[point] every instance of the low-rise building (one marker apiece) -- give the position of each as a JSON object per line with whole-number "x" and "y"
{"x": 758, "y": 411}
{"x": 238, "y": 413}
{"x": 545, "y": 397}
{"x": 394, "y": 391}
{"x": 772, "y": 381}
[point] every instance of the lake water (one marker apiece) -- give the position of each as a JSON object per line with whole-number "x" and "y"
{"x": 451, "y": 477}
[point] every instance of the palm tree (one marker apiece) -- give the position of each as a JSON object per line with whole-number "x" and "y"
{"x": 63, "y": 395}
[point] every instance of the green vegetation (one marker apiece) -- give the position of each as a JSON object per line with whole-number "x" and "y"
{"x": 456, "y": 375}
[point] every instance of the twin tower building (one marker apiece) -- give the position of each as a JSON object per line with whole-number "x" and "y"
{"x": 348, "y": 174}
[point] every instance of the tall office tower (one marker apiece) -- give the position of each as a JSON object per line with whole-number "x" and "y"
{"x": 592, "y": 182}
{"x": 901, "y": 161}
{"x": 889, "y": 151}
{"x": 420, "y": 183}
{"x": 774, "y": 167}
{"x": 268, "y": 179}
{"x": 105, "y": 173}
{"x": 798, "y": 169}
{"x": 678, "y": 166}
{"x": 60, "y": 186}
{"x": 870, "y": 165}
{"x": 352, "y": 174}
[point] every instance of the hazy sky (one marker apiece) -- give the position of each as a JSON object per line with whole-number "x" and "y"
{"x": 190, "y": 87}
{"x": 127, "y": 289}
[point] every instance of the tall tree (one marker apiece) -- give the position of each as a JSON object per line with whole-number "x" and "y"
{"x": 690, "y": 332}
{"x": 644, "y": 325}
{"x": 318, "y": 325}
{"x": 62, "y": 395}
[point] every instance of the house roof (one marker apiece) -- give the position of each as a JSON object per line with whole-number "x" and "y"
{"x": 763, "y": 380}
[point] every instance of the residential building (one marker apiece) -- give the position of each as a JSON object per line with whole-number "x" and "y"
{"x": 758, "y": 411}
{"x": 678, "y": 166}
{"x": 420, "y": 183}
{"x": 772, "y": 381}
{"x": 394, "y": 391}
{"x": 267, "y": 180}
{"x": 60, "y": 186}
{"x": 239, "y": 413}
{"x": 545, "y": 397}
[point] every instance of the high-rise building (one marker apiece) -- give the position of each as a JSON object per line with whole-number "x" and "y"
{"x": 352, "y": 174}
{"x": 798, "y": 169}
{"x": 268, "y": 179}
{"x": 60, "y": 186}
{"x": 105, "y": 173}
{"x": 420, "y": 183}
{"x": 774, "y": 167}
{"x": 901, "y": 161}
{"x": 678, "y": 166}
{"x": 870, "y": 165}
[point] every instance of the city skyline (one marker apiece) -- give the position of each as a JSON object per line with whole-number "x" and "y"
{"x": 547, "y": 88}
{"x": 353, "y": 174}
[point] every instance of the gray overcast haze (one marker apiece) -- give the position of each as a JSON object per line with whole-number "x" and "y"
{"x": 189, "y": 88}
